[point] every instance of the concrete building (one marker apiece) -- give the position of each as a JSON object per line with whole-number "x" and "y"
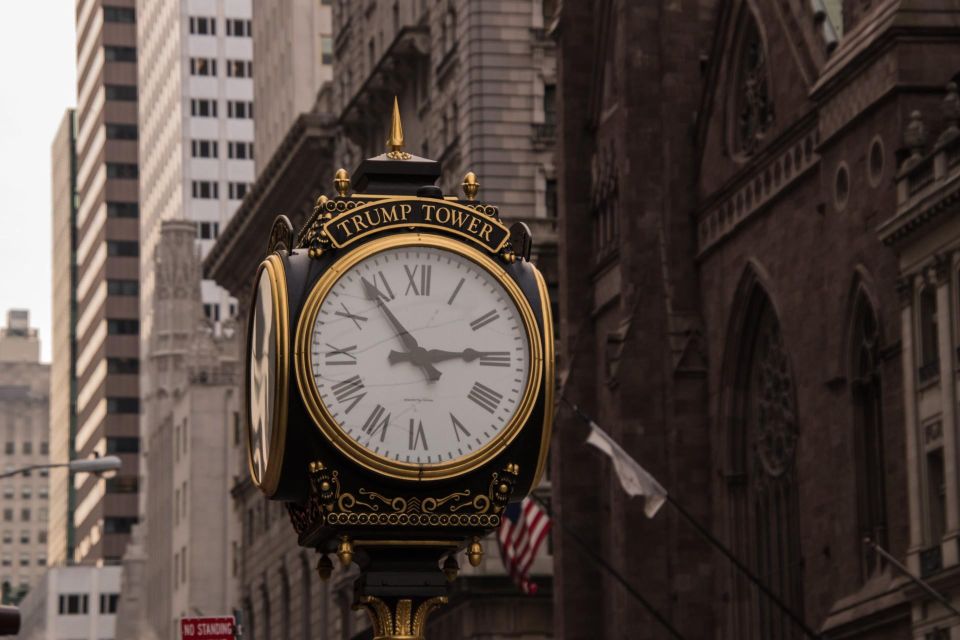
{"x": 475, "y": 83}
{"x": 72, "y": 603}
{"x": 925, "y": 234}
{"x": 25, "y": 420}
{"x": 107, "y": 284}
{"x": 63, "y": 374}
{"x": 187, "y": 555}
{"x": 730, "y": 315}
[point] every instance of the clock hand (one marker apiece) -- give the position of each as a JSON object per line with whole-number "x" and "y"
{"x": 435, "y": 355}
{"x": 433, "y": 374}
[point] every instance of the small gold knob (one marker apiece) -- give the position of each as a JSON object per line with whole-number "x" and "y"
{"x": 471, "y": 186}
{"x": 475, "y": 552}
{"x": 345, "y": 551}
{"x": 341, "y": 180}
{"x": 451, "y": 568}
{"x": 324, "y": 567}
{"x": 322, "y": 200}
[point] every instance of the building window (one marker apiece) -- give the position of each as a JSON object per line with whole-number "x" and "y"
{"x": 239, "y": 69}
{"x": 123, "y": 248}
{"x": 8, "y": 515}
{"x": 123, "y": 287}
{"x": 241, "y": 109}
{"x": 212, "y": 312}
{"x": 26, "y": 492}
{"x": 238, "y": 190}
{"x": 43, "y": 493}
{"x": 936, "y": 519}
{"x": 123, "y": 484}
{"x": 10, "y": 448}
{"x": 27, "y": 448}
{"x": 123, "y": 365}
{"x": 42, "y": 536}
{"x": 203, "y": 148}
{"x": 208, "y": 230}
{"x": 239, "y": 28}
{"x": 125, "y": 15}
{"x": 8, "y": 492}
{"x": 24, "y": 559}
{"x": 123, "y": 210}
{"x": 123, "y": 327}
{"x": 121, "y": 131}
{"x": 120, "y": 54}
{"x": 7, "y": 559}
{"x": 124, "y": 170}
{"x": 24, "y": 536}
{"x": 25, "y": 514}
{"x": 203, "y": 66}
{"x": 326, "y": 49}
{"x": 205, "y": 189}
{"x": 203, "y": 26}
{"x": 240, "y": 150}
{"x": 108, "y": 602}
{"x": 7, "y": 536}
{"x": 123, "y": 405}
{"x": 752, "y": 110}
{"x": 118, "y": 524}
{"x": 929, "y": 340}
{"x": 203, "y": 108}
{"x": 762, "y": 486}
{"x": 120, "y": 92}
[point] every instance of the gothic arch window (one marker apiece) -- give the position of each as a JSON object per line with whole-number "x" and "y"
{"x": 751, "y": 110}
{"x": 762, "y": 487}
{"x": 865, "y": 387}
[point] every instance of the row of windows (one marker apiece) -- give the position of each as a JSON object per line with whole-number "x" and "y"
{"x": 207, "y": 108}
{"x": 240, "y": 150}
{"x": 25, "y": 559}
{"x": 123, "y": 327}
{"x": 119, "y": 54}
{"x": 123, "y": 444}
{"x": 123, "y": 484}
{"x": 119, "y": 524}
{"x": 25, "y": 514}
{"x": 123, "y": 405}
{"x": 208, "y": 67}
{"x": 79, "y": 603}
{"x": 207, "y": 26}
{"x": 123, "y": 210}
{"x": 123, "y": 365}
{"x": 10, "y": 448}
{"x": 25, "y": 536}
{"x": 26, "y": 492}
{"x": 123, "y": 248}
{"x": 120, "y": 92}
{"x": 210, "y": 189}
{"x": 236, "y": 150}
{"x": 123, "y": 170}
{"x": 123, "y": 287}
{"x": 121, "y": 131}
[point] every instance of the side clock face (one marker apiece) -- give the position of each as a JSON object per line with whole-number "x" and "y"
{"x": 267, "y": 375}
{"x": 423, "y": 357}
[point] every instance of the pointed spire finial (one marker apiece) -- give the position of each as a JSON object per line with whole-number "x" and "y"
{"x": 395, "y": 142}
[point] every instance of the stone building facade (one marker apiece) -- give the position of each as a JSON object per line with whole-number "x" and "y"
{"x": 25, "y": 420}
{"x": 730, "y": 314}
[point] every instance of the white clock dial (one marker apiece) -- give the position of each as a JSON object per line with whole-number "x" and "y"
{"x": 420, "y": 355}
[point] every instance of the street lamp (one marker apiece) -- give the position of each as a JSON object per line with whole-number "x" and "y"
{"x": 85, "y": 465}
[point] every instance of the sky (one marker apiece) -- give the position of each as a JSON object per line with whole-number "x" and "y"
{"x": 37, "y": 84}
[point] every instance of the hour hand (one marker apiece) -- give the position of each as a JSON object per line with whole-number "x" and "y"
{"x": 434, "y": 355}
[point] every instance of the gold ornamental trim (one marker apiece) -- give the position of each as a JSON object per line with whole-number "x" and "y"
{"x": 273, "y": 266}
{"x": 332, "y": 430}
{"x": 549, "y": 364}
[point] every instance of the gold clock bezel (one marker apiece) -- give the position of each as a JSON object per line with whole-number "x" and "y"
{"x": 273, "y": 265}
{"x": 332, "y": 430}
{"x": 549, "y": 364}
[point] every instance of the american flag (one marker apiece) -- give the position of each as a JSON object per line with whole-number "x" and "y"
{"x": 524, "y": 528}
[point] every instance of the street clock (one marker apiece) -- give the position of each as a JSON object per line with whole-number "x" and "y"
{"x": 400, "y": 371}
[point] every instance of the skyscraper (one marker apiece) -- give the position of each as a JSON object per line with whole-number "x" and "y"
{"x": 63, "y": 374}
{"x": 108, "y": 265}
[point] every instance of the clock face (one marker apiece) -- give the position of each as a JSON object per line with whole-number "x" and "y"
{"x": 421, "y": 356}
{"x": 266, "y": 372}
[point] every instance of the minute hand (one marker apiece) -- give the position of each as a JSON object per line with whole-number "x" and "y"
{"x": 405, "y": 336}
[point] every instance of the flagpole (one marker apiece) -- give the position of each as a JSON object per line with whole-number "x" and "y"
{"x": 610, "y": 569}
{"x": 923, "y": 584}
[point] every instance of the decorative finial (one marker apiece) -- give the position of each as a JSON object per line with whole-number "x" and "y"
{"x": 475, "y": 552}
{"x": 341, "y": 180}
{"x": 395, "y": 142}
{"x": 470, "y": 185}
{"x": 915, "y": 135}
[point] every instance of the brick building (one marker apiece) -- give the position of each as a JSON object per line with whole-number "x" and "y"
{"x": 733, "y": 319}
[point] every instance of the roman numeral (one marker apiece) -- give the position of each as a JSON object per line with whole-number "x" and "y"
{"x": 458, "y": 427}
{"x": 340, "y": 355}
{"x": 386, "y": 285}
{"x": 495, "y": 359}
{"x": 349, "y": 390}
{"x": 456, "y": 290}
{"x": 417, "y": 436}
{"x": 425, "y": 273}
{"x": 352, "y": 316}
{"x": 486, "y": 397}
{"x": 377, "y": 422}
{"x": 484, "y": 320}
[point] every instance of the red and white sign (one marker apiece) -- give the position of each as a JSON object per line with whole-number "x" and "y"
{"x": 207, "y": 628}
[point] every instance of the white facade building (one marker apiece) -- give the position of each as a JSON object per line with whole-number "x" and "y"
{"x": 72, "y": 603}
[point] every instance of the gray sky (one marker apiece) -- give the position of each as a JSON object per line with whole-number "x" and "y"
{"x": 37, "y": 83}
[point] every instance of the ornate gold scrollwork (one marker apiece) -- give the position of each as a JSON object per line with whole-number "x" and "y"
{"x": 401, "y": 622}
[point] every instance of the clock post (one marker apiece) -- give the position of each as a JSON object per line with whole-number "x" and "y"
{"x": 400, "y": 377}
